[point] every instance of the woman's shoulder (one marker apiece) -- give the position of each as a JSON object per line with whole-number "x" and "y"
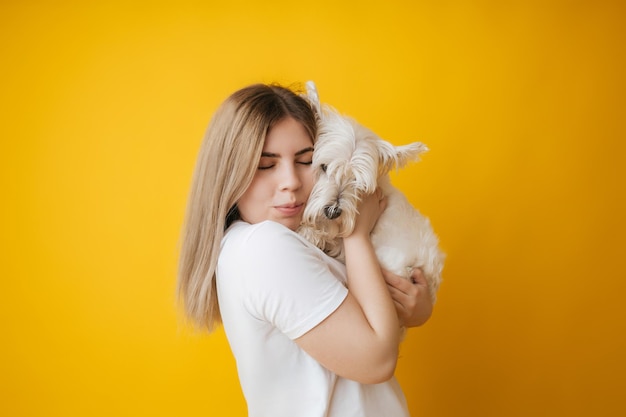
{"x": 252, "y": 248}
{"x": 263, "y": 233}
{"x": 269, "y": 242}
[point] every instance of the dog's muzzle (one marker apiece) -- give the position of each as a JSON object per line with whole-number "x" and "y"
{"x": 332, "y": 212}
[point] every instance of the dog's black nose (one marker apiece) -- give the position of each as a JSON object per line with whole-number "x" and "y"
{"x": 332, "y": 212}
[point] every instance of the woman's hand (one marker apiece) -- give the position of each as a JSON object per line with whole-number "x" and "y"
{"x": 370, "y": 209}
{"x": 412, "y": 299}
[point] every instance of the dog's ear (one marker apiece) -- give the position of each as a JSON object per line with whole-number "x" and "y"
{"x": 313, "y": 96}
{"x": 409, "y": 153}
{"x": 398, "y": 156}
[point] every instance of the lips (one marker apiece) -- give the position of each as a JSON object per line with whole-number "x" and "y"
{"x": 290, "y": 209}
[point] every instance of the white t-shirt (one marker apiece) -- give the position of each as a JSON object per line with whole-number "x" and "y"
{"x": 274, "y": 286}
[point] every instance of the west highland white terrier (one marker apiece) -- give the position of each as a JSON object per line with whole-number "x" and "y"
{"x": 350, "y": 161}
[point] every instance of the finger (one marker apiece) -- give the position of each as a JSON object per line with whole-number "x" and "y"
{"x": 399, "y": 307}
{"x": 391, "y": 278}
{"x": 401, "y": 297}
{"x": 401, "y": 284}
{"x": 401, "y": 310}
{"x": 417, "y": 277}
{"x": 395, "y": 293}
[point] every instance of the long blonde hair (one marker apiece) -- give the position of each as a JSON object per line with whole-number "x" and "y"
{"x": 226, "y": 164}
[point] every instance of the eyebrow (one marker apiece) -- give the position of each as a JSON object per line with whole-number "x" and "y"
{"x": 275, "y": 155}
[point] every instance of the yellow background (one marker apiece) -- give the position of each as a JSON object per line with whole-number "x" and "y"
{"x": 522, "y": 104}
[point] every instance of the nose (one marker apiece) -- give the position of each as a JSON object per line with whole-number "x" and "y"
{"x": 290, "y": 178}
{"x": 332, "y": 212}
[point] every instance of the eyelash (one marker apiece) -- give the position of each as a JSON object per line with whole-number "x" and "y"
{"x": 263, "y": 168}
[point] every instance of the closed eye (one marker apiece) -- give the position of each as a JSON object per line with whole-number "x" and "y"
{"x": 267, "y": 163}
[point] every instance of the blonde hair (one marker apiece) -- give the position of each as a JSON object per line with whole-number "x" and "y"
{"x": 226, "y": 164}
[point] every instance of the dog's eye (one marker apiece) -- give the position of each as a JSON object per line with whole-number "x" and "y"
{"x": 324, "y": 167}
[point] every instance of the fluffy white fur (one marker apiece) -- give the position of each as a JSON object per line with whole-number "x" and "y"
{"x": 350, "y": 161}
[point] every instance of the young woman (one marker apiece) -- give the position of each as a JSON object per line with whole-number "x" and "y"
{"x": 305, "y": 344}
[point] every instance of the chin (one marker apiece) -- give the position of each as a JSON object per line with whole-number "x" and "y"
{"x": 291, "y": 224}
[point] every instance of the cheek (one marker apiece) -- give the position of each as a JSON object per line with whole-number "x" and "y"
{"x": 308, "y": 181}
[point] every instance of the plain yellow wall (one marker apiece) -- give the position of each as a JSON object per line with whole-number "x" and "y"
{"x": 522, "y": 104}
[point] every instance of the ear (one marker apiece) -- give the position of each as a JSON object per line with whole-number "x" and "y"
{"x": 409, "y": 153}
{"x": 313, "y": 96}
{"x": 398, "y": 156}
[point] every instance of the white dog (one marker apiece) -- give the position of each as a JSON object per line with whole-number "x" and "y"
{"x": 350, "y": 161}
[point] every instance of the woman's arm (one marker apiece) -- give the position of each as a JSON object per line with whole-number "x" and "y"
{"x": 412, "y": 299}
{"x": 360, "y": 339}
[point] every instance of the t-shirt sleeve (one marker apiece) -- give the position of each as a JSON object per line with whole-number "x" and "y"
{"x": 288, "y": 283}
